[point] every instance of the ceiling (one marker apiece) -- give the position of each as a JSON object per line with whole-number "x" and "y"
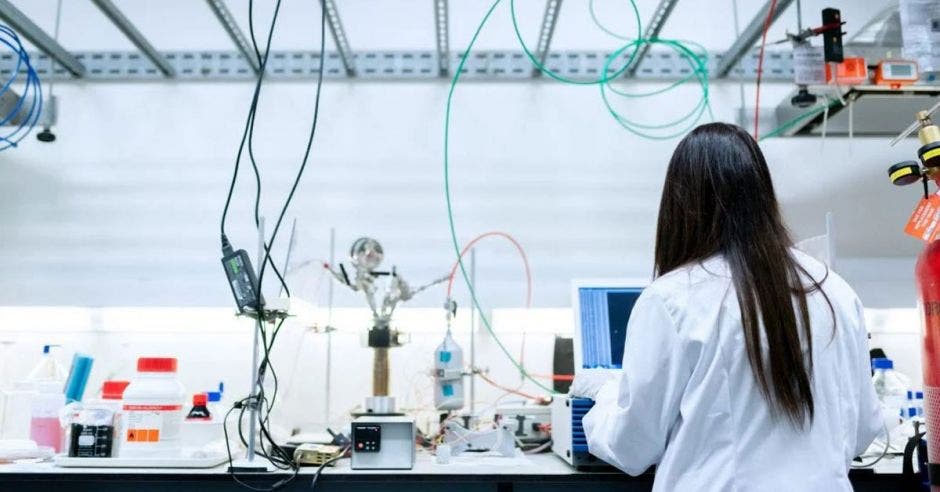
{"x": 373, "y": 25}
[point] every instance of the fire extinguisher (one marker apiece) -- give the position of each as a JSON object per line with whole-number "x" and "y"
{"x": 925, "y": 224}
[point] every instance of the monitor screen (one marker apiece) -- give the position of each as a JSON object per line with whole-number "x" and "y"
{"x": 605, "y": 312}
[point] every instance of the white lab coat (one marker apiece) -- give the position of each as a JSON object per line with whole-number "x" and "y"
{"x": 688, "y": 402}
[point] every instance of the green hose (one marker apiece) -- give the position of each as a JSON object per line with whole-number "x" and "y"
{"x": 698, "y": 64}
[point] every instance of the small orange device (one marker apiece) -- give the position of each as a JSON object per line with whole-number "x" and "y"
{"x": 896, "y": 73}
{"x": 852, "y": 71}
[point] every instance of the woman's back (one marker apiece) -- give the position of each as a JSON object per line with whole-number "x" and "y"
{"x": 689, "y": 401}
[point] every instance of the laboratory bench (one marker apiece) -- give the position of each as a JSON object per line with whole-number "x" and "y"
{"x": 537, "y": 473}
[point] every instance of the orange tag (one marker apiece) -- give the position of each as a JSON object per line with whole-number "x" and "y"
{"x": 924, "y": 223}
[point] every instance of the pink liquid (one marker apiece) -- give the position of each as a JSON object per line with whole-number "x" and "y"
{"x": 46, "y": 431}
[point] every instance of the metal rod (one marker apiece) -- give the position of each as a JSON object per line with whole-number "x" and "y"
{"x": 655, "y": 26}
{"x": 127, "y": 27}
{"x": 831, "y": 239}
{"x": 20, "y": 23}
{"x": 339, "y": 37}
{"x": 473, "y": 331}
{"x": 749, "y": 36}
{"x": 290, "y": 248}
{"x": 549, "y": 20}
{"x": 799, "y": 17}
{"x": 254, "y": 391}
{"x": 441, "y": 19}
{"x": 231, "y": 27}
{"x": 55, "y": 34}
{"x": 329, "y": 329}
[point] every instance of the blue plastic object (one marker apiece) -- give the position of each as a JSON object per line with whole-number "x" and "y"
{"x": 78, "y": 377}
{"x": 579, "y": 408}
{"x": 882, "y": 363}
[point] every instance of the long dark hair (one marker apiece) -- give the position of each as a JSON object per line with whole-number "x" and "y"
{"x": 718, "y": 199}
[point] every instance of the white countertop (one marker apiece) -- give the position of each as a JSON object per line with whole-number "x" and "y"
{"x": 542, "y": 464}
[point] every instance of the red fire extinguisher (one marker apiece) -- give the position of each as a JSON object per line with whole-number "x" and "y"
{"x": 925, "y": 224}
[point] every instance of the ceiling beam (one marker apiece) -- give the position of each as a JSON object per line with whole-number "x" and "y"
{"x": 127, "y": 27}
{"x": 225, "y": 18}
{"x": 547, "y": 31}
{"x": 655, "y": 26}
{"x": 749, "y": 36}
{"x": 442, "y": 32}
{"x": 29, "y": 30}
{"x": 339, "y": 37}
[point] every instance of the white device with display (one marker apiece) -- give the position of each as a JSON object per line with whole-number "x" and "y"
{"x": 383, "y": 443}
{"x": 602, "y": 310}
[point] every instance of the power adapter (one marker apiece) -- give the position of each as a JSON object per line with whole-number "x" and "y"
{"x": 241, "y": 277}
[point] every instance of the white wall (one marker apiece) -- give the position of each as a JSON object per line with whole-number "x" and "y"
{"x": 123, "y": 209}
{"x": 212, "y": 345}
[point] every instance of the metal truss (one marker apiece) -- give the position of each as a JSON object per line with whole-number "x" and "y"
{"x": 388, "y": 65}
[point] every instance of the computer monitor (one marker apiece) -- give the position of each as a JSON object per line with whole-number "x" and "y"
{"x": 602, "y": 309}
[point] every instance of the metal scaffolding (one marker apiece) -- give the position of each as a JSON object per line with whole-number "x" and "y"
{"x": 549, "y": 20}
{"x": 231, "y": 27}
{"x": 125, "y": 26}
{"x": 655, "y": 26}
{"x": 442, "y": 34}
{"x": 749, "y": 36}
{"x": 339, "y": 37}
{"x": 29, "y": 30}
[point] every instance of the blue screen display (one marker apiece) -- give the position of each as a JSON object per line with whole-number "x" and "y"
{"x": 605, "y": 312}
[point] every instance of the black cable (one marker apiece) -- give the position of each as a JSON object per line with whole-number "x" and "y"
{"x": 278, "y": 456}
{"x": 251, "y": 110}
{"x": 262, "y": 61}
{"x": 313, "y": 130}
{"x": 316, "y": 476}
{"x": 248, "y": 133}
{"x": 275, "y": 486}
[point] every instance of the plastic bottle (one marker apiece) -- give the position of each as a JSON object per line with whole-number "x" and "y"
{"x": 47, "y": 379}
{"x": 48, "y": 368}
{"x": 891, "y": 388}
{"x": 153, "y": 410}
{"x": 44, "y": 425}
{"x": 448, "y": 375}
{"x": 200, "y": 411}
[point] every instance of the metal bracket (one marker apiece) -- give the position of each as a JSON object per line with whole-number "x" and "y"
{"x": 549, "y": 20}
{"x": 655, "y": 26}
{"x": 231, "y": 27}
{"x": 29, "y": 30}
{"x": 339, "y": 37}
{"x": 127, "y": 27}
{"x": 481, "y": 66}
{"x": 442, "y": 33}
{"x": 749, "y": 36}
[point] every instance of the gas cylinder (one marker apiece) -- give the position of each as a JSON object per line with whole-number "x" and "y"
{"x": 924, "y": 225}
{"x": 927, "y": 277}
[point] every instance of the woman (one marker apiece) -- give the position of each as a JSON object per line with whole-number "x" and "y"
{"x": 746, "y": 362}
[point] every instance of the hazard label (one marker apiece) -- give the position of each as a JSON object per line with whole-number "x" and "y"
{"x": 143, "y": 435}
{"x": 152, "y": 423}
{"x": 924, "y": 223}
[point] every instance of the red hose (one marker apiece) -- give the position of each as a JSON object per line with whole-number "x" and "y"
{"x": 525, "y": 261}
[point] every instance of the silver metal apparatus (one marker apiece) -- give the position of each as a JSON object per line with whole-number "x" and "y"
{"x": 366, "y": 255}
{"x": 498, "y": 439}
{"x": 383, "y": 443}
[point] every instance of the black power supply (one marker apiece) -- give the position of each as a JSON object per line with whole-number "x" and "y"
{"x": 241, "y": 277}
